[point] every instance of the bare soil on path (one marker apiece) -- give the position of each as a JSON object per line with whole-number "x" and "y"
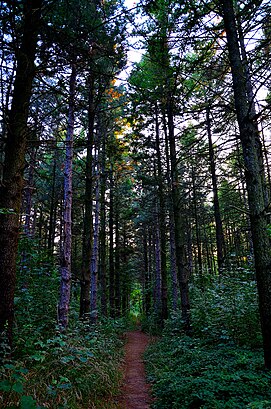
{"x": 135, "y": 393}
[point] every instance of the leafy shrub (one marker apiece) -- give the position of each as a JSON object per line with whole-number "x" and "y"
{"x": 188, "y": 373}
{"x": 221, "y": 364}
{"x": 227, "y": 309}
{"x": 50, "y": 369}
{"x": 73, "y": 370}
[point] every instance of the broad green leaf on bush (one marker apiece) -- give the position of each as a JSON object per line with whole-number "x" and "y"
{"x": 27, "y": 402}
{"x": 65, "y": 386}
{"x": 67, "y": 359}
{"x": 38, "y": 357}
{"x": 7, "y": 211}
{"x": 18, "y": 387}
{"x": 6, "y": 385}
{"x": 83, "y": 359}
{"x": 265, "y": 404}
{"x": 9, "y": 366}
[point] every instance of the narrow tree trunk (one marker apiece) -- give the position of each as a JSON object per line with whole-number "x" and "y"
{"x": 178, "y": 222}
{"x": 12, "y": 182}
{"x": 150, "y": 270}
{"x": 253, "y": 163}
{"x": 161, "y": 221}
{"x": 218, "y": 220}
{"x": 157, "y": 285}
{"x": 51, "y": 233}
{"x": 103, "y": 275}
{"x": 112, "y": 282}
{"x": 267, "y": 166}
{"x": 88, "y": 221}
{"x": 29, "y": 193}
{"x": 173, "y": 261}
{"x": 197, "y": 227}
{"x": 65, "y": 262}
{"x": 95, "y": 252}
{"x": 117, "y": 261}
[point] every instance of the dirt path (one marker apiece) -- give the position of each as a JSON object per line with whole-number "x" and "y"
{"x": 135, "y": 391}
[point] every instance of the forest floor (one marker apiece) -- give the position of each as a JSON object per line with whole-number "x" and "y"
{"x": 135, "y": 393}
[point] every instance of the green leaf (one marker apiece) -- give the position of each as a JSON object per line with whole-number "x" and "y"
{"x": 6, "y": 385}
{"x": 23, "y": 370}
{"x": 65, "y": 386}
{"x": 18, "y": 387}
{"x": 38, "y": 357}
{"x": 7, "y": 211}
{"x": 27, "y": 402}
{"x": 66, "y": 359}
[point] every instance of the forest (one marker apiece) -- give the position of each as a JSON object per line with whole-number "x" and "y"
{"x": 135, "y": 186}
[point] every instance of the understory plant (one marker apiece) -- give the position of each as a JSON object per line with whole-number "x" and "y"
{"x": 48, "y": 368}
{"x": 219, "y": 365}
{"x": 78, "y": 369}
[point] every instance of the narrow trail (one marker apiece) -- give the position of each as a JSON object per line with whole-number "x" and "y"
{"x": 135, "y": 391}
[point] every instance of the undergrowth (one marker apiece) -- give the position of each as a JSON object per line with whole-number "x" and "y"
{"x": 221, "y": 364}
{"x": 79, "y": 369}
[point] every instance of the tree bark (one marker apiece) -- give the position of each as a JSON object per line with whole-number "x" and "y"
{"x": 88, "y": 221}
{"x": 103, "y": 275}
{"x": 112, "y": 281}
{"x": 254, "y": 174}
{"x": 65, "y": 262}
{"x": 117, "y": 258}
{"x": 183, "y": 270}
{"x": 29, "y": 193}
{"x": 218, "y": 221}
{"x": 197, "y": 225}
{"x": 173, "y": 261}
{"x": 51, "y": 230}
{"x": 157, "y": 285}
{"x": 161, "y": 222}
{"x": 14, "y": 162}
{"x": 95, "y": 251}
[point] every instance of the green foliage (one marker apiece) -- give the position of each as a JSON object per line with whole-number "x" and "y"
{"x": 76, "y": 369}
{"x": 190, "y": 373}
{"x": 227, "y": 309}
{"x": 7, "y": 211}
{"x": 221, "y": 364}
{"x": 71, "y": 370}
{"x": 152, "y": 324}
{"x": 36, "y": 297}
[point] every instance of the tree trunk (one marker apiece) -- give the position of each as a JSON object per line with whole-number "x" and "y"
{"x": 197, "y": 226}
{"x": 253, "y": 162}
{"x": 218, "y": 221}
{"x": 178, "y": 221}
{"x": 51, "y": 232}
{"x": 14, "y": 162}
{"x": 29, "y": 192}
{"x": 161, "y": 222}
{"x": 95, "y": 251}
{"x": 65, "y": 262}
{"x": 88, "y": 221}
{"x": 173, "y": 261}
{"x": 112, "y": 282}
{"x": 117, "y": 259}
{"x": 157, "y": 285}
{"x": 103, "y": 277}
